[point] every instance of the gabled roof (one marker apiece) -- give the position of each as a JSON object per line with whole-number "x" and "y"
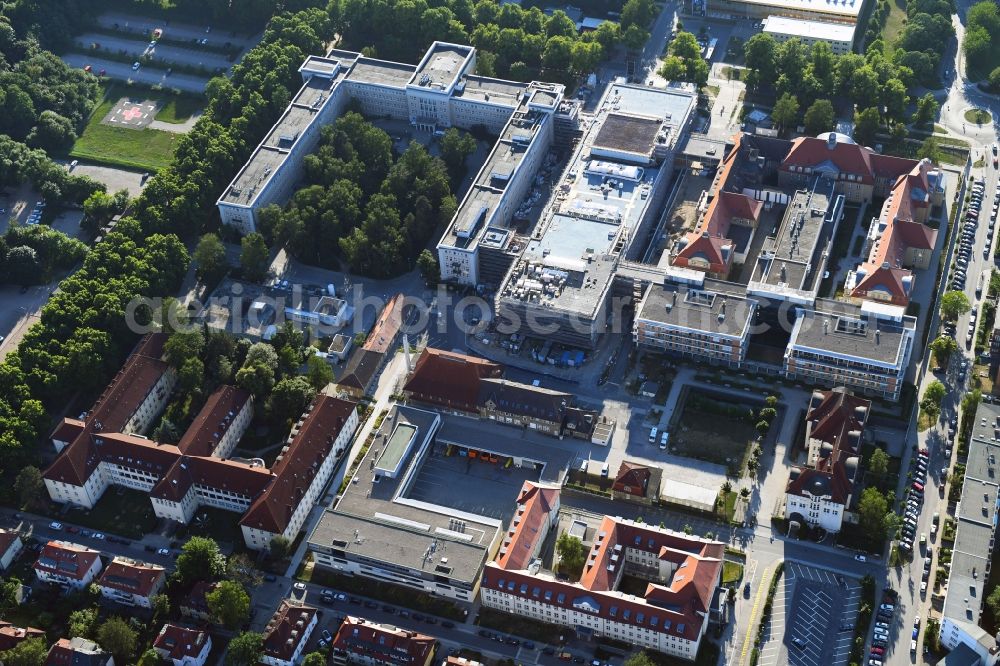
{"x": 176, "y": 642}
{"x": 716, "y": 250}
{"x": 7, "y": 540}
{"x": 633, "y": 477}
{"x": 132, "y": 577}
{"x": 67, "y": 430}
{"x": 840, "y": 155}
{"x": 450, "y": 379}
{"x": 195, "y": 600}
{"x": 524, "y": 399}
{"x": 361, "y": 368}
{"x": 287, "y": 628}
{"x": 11, "y": 636}
{"x": 203, "y": 435}
{"x": 535, "y": 504}
{"x": 77, "y": 652}
{"x": 69, "y": 560}
{"x": 382, "y": 642}
{"x": 246, "y": 479}
{"x": 383, "y": 334}
{"x": 896, "y": 283}
{"x": 111, "y": 412}
{"x": 834, "y": 415}
{"x": 295, "y": 469}
{"x": 833, "y": 484}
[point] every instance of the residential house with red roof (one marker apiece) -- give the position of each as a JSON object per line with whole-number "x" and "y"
{"x": 78, "y": 652}
{"x": 67, "y": 564}
{"x": 107, "y": 448}
{"x": 683, "y": 574}
{"x": 636, "y": 482}
{"x": 820, "y": 492}
{"x": 10, "y": 547}
{"x": 131, "y": 583}
{"x": 366, "y": 363}
{"x": 183, "y": 646}
{"x": 11, "y": 636}
{"x": 287, "y": 633}
{"x": 361, "y": 641}
{"x": 194, "y": 607}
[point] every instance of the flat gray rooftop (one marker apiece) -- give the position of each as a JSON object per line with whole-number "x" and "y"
{"x": 713, "y": 312}
{"x": 794, "y": 258}
{"x": 320, "y": 64}
{"x": 441, "y": 65}
{"x": 276, "y": 145}
{"x": 852, "y": 334}
{"x": 383, "y": 72}
{"x": 672, "y": 105}
{"x": 628, "y": 133}
{"x": 701, "y": 147}
{"x": 401, "y": 545}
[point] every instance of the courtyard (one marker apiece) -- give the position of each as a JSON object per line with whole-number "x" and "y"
{"x": 714, "y": 429}
{"x": 120, "y": 511}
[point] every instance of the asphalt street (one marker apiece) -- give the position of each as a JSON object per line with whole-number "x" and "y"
{"x": 146, "y": 74}
{"x": 164, "y": 55}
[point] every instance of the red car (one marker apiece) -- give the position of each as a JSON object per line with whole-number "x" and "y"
{"x": 878, "y": 650}
{"x": 88, "y": 68}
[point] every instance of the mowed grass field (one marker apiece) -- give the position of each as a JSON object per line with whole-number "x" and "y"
{"x": 141, "y": 149}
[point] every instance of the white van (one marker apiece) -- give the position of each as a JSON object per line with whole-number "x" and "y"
{"x": 652, "y": 435}
{"x": 664, "y": 439}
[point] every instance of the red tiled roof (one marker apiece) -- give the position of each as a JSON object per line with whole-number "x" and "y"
{"x": 66, "y": 559}
{"x": 178, "y": 642}
{"x": 289, "y": 623}
{"x": 712, "y": 249}
{"x": 195, "y": 600}
{"x": 246, "y": 479}
{"x": 77, "y": 652}
{"x": 132, "y": 577}
{"x": 677, "y": 608}
{"x": 632, "y": 479}
{"x": 7, "y": 539}
{"x": 382, "y": 643}
{"x": 834, "y": 418}
{"x": 67, "y": 430}
{"x": 383, "y": 334}
{"x": 449, "y": 379}
{"x": 808, "y": 151}
{"x": 900, "y": 230}
{"x": 819, "y": 483}
{"x": 111, "y": 412}
{"x": 11, "y": 636}
{"x": 295, "y": 469}
{"x": 214, "y": 419}
{"x": 535, "y": 504}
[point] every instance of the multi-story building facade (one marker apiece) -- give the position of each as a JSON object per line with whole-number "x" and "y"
{"x": 288, "y": 632}
{"x": 839, "y": 36}
{"x": 10, "y": 547}
{"x": 131, "y": 583}
{"x": 820, "y": 492}
{"x": 67, "y": 564}
{"x": 439, "y": 92}
{"x": 179, "y": 478}
{"x": 361, "y": 641}
{"x": 77, "y": 651}
{"x": 684, "y": 573}
{"x": 866, "y": 347}
{"x": 961, "y": 631}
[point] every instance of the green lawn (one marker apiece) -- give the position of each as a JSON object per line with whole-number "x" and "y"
{"x": 143, "y": 150}
{"x": 978, "y": 116}
{"x": 732, "y": 572}
{"x": 119, "y": 511}
{"x": 223, "y": 526}
{"x": 897, "y": 19}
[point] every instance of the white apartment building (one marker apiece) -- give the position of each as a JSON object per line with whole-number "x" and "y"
{"x": 67, "y": 564}
{"x": 10, "y": 547}
{"x": 131, "y": 583}
{"x": 441, "y": 91}
{"x": 183, "y": 646}
{"x": 840, "y": 36}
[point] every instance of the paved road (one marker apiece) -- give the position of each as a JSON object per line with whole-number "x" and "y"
{"x": 148, "y": 75}
{"x": 172, "y": 29}
{"x": 163, "y": 54}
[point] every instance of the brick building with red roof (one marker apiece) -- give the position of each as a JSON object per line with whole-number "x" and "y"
{"x": 361, "y": 641}
{"x": 11, "y": 636}
{"x": 105, "y": 448}
{"x": 287, "y": 633}
{"x": 683, "y": 574}
{"x": 183, "y": 646}
{"x": 820, "y": 492}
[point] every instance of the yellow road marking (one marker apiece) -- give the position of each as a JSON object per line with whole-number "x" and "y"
{"x": 765, "y": 583}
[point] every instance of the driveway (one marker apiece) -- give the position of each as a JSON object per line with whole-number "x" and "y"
{"x": 148, "y": 75}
